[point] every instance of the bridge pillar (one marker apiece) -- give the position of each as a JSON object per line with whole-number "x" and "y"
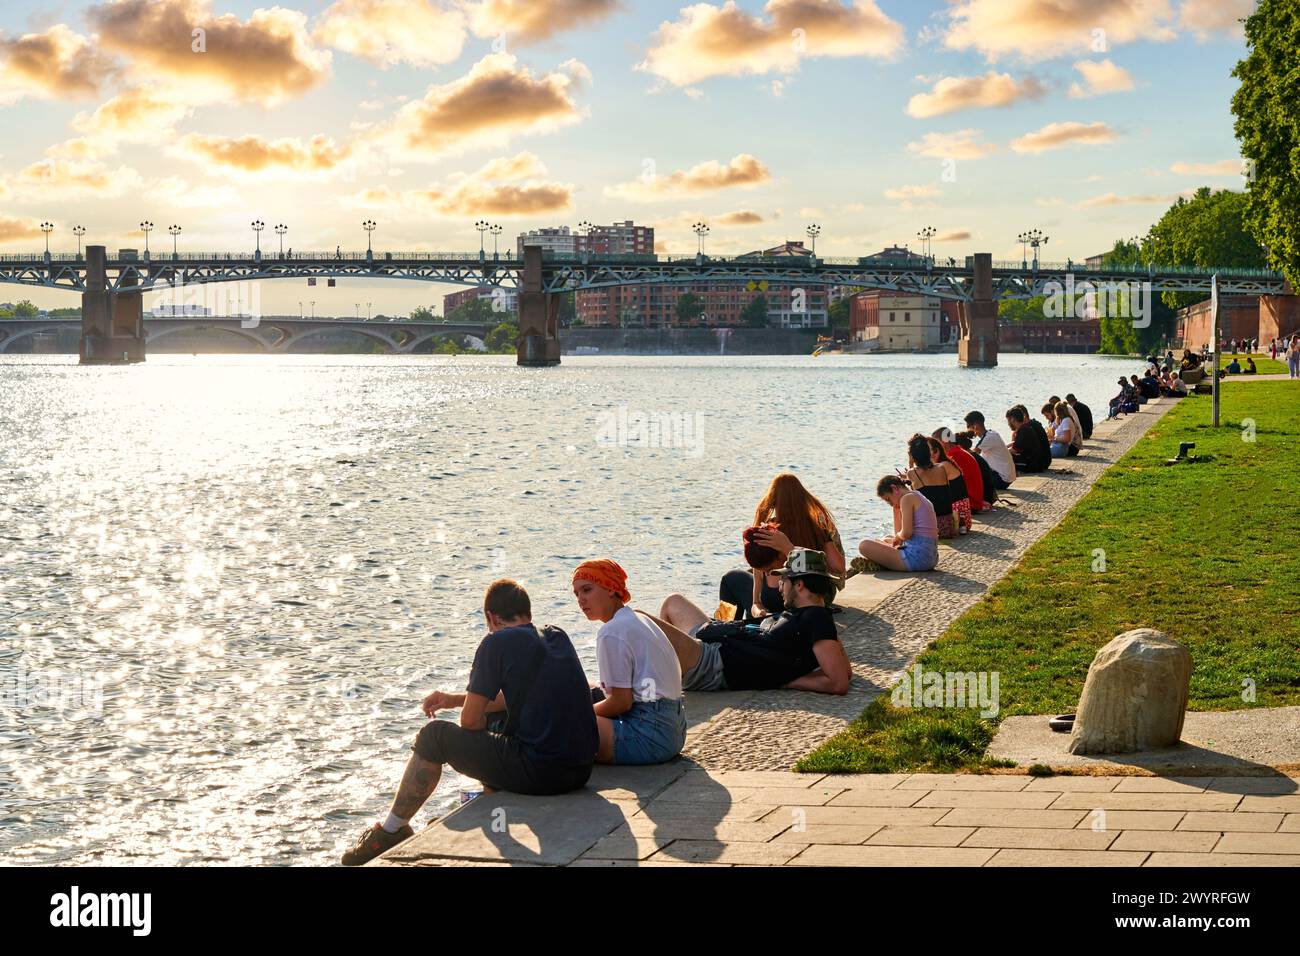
{"x": 112, "y": 322}
{"x": 978, "y": 346}
{"x": 539, "y": 315}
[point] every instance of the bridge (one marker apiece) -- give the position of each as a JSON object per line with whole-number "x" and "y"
{"x": 272, "y": 334}
{"x": 112, "y": 287}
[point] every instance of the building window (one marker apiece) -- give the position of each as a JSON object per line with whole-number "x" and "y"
{"x": 907, "y": 316}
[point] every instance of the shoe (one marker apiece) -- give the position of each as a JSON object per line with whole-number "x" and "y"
{"x": 373, "y": 842}
{"x": 863, "y": 566}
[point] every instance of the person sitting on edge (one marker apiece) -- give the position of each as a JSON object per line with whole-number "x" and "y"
{"x": 931, "y": 479}
{"x": 787, "y": 517}
{"x": 992, "y": 449}
{"x": 969, "y": 465}
{"x": 1139, "y": 394}
{"x": 1234, "y": 367}
{"x": 1048, "y": 411}
{"x": 957, "y": 490}
{"x": 1076, "y": 438}
{"x": 914, "y": 545}
{"x": 1063, "y": 434}
{"x": 642, "y": 718}
{"x": 1030, "y": 449}
{"x": 798, "y": 649}
{"x": 965, "y": 440}
{"x": 1190, "y": 360}
{"x": 754, "y": 592}
{"x": 1250, "y": 367}
{"x": 1083, "y": 413}
{"x": 1150, "y": 384}
{"x": 547, "y": 743}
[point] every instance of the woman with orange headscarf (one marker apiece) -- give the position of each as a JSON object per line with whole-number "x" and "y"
{"x": 642, "y": 718}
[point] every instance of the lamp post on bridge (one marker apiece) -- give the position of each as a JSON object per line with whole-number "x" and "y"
{"x": 146, "y": 227}
{"x": 701, "y": 229}
{"x": 585, "y": 227}
{"x": 47, "y": 228}
{"x": 496, "y": 231}
{"x": 280, "y": 230}
{"x": 482, "y": 226}
{"x": 175, "y": 231}
{"x": 1033, "y": 238}
{"x": 78, "y": 231}
{"x": 369, "y": 226}
{"x": 926, "y": 235}
{"x": 258, "y": 226}
{"x": 812, "y": 232}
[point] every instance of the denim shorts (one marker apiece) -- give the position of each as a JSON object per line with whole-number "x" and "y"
{"x": 650, "y": 732}
{"x": 707, "y": 672}
{"x": 920, "y": 553}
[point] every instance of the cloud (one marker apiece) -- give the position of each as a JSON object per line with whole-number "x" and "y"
{"x": 55, "y": 64}
{"x": 1205, "y": 18}
{"x": 504, "y": 199}
{"x": 962, "y": 144}
{"x": 258, "y": 157}
{"x": 954, "y": 235}
{"x": 743, "y": 171}
{"x": 176, "y": 191}
{"x": 388, "y": 32}
{"x": 953, "y": 93}
{"x": 1100, "y": 77}
{"x": 1228, "y": 167}
{"x": 522, "y": 165}
{"x": 495, "y": 100}
{"x": 1111, "y": 199}
{"x": 1059, "y": 135}
{"x": 138, "y": 115}
{"x": 13, "y": 230}
{"x": 265, "y": 59}
{"x": 61, "y": 178}
{"x": 742, "y": 217}
{"x": 912, "y": 192}
{"x": 1042, "y": 29}
{"x": 710, "y": 41}
{"x": 528, "y": 21}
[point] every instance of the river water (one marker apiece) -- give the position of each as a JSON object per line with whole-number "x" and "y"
{"x": 227, "y": 582}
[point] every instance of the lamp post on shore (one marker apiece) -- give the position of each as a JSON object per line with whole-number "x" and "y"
{"x": 174, "y": 231}
{"x": 78, "y": 231}
{"x": 146, "y": 227}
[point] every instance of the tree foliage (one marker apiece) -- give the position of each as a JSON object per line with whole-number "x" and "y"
{"x": 1207, "y": 230}
{"x": 754, "y": 314}
{"x": 689, "y": 308}
{"x": 1268, "y": 128}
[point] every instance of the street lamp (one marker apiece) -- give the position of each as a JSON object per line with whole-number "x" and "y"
{"x": 701, "y": 229}
{"x": 496, "y": 232}
{"x": 482, "y": 226}
{"x": 146, "y": 227}
{"x": 300, "y": 309}
{"x": 369, "y": 227}
{"x": 175, "y": 231}
{"x": 925, "y": 235}
{"x": 47, "y": 228}
{"x": 1035, "y": 238}
{"x": 313, "y": 308}
{"x": 367, "y": 311}
{"x": 78, "y": 231}
{"x": 280, "y": 230}
{"x": 258, "y": 226}
{"x": 813, "y": 232}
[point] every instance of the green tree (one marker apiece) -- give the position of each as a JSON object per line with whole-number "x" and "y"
{"x": 25, "y": 310}
{"x": 1126, "y": 332}
{"x": 754, "y": 315}
{"x": 503, "y": 339}
{"x": 838, "y": 318}
{"x": 423, "y": 314}
{"x": 689, "y": 308}
{"x": 1207, "y": 230}
{"x": 1022, "y": 310}
{"x": 1268, "y": 129}
{"x": 475, "y": 312}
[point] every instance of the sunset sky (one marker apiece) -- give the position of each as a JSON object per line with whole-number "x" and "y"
{"x": 983, "y": 118}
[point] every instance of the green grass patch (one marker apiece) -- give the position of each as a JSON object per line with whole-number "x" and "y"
{"x": 1263, "y": 364}
{"x": 1207, "y": 552}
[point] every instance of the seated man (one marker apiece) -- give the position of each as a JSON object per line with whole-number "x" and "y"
{"x": 993, "y": 449}
{"x": 548, "y": 742}
{"x": 1084, "y": 413}
{"x": 1234, "y": 367}
{"x": 1030, "y": 448}
{"x": 798, "y": 649}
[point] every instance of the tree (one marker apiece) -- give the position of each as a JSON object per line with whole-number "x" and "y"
{"x": 422, "y": 314}
{"x": 689, "y": 309}
{"x": 837, "y": 316}
{"x": 1022, "y": 310}
{"x": 503, "y": 339}
{"x": 754, "y": 315}
{"x": 1207, "y": 230}
{"x": 25, "y": 310}
{"x": 1125, "y": 332}
{"x": 475, "y": 312}
{"x": 1267, "y": 128}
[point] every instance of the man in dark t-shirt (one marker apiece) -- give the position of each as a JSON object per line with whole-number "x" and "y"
{"x": 1084, "y": 413}
{"x": 1030, "y": 449}
{"x": 529, "y": 687}
{"x": 798, "y": 649}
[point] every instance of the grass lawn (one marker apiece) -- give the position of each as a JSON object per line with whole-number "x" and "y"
{"x": 1264, "y": 364}
{"x": 1208, "y": 552}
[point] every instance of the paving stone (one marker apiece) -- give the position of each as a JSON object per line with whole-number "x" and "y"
{"x": 1040, "y": 838}
{"x": 1259, "y": 843}
{"x": 987, "y": 799}
{"x": 1134, "y": 819}
{"x": 1255, "y": 785}
{"x": 968, "y": 817}
{"x": 731, "y": 851}
{"x": 625, "y": 844}
{"x": 876, "y": 798}
{"x": 828, "y": 833}
{"x": 1066, "y": 858}
{"x": 1166, "y": 841}
{"x": 635, "y": 783}
{"x": 765, "y": 778}
{"x": 1163, "y": 784}
{"x": 920, "y": 836}
{"x": 808, "y": 797}
{"x": 745, "y": 812}
{"x": 865, "y": 781}
{"x": 1220, "y": 859}
{"x": 1066, "y": 784}
{"x": 585, "y": 863}
{"x": 685, "y": 828}
{"x": 964, "y": 781}
{"x": 869, "y": 816}
{"x": 1269, "y": 803}
{"x": 1150, "y": 801}
{"x": 821, "y": 855}
{"x": 683, "y": 792}
{"x": 1228, "y": 822}
{"x": 1290, "y": 823}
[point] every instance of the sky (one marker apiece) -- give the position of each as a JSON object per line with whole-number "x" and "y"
{"x": 980, "y": 118}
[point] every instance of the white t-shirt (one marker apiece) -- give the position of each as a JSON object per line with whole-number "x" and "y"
{"x": 995, "y": 452}
{"x": 632, "y": 651}
{"x": 1064, "y": 431}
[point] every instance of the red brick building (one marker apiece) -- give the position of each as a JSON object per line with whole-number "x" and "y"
{"x": 1238, "y": 319}
{"x": 1054, "y": 335}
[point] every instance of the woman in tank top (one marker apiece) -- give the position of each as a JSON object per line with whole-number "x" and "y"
{"x": 957, "y": 489}
{"x": 914, "y": 545}
{"x": 931, "y": 480}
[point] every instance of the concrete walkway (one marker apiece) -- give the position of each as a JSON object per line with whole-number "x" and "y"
{"x": 732, "y": 799}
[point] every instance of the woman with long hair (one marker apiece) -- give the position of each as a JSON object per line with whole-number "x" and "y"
{"x": 958, "y": 490}
{"x": 914, "y": 545}
{"x": 930, "y": 478}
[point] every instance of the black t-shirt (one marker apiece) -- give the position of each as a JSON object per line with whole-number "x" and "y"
{"x": 557, "y": 723}
{"x": 780, "y": 651}
{"x": 1085, "y": 418}
{"x": 1033, "y": 452}
{"x": 986, "y": 472}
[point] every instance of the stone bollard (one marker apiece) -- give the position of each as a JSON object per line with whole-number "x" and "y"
{"x": 1135, "y": 695}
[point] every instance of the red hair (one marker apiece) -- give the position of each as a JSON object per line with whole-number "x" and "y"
{"x": 804, "y": 519}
